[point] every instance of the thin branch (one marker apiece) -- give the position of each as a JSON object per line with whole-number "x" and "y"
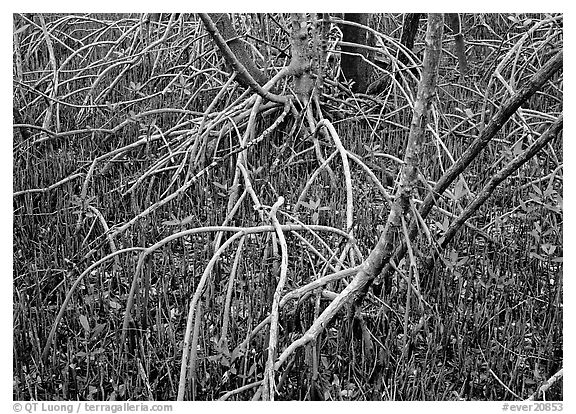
{"x": 51, "y": 187}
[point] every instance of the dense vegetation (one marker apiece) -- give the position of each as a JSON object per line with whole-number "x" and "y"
{"x": 146, "y": 222}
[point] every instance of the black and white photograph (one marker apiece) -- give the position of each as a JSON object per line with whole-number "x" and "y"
{"x": 285, "y": 206}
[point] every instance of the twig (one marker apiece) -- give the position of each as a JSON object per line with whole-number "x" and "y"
{"x": 505, "y": 112}
{"x": 51, "y": 187}
{"x": 496, "y": 179}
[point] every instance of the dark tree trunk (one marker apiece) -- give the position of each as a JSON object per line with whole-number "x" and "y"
{"x": 226, "y": 29}
{"x": 409, "y": 30}
{"x": 354, "y": 67}
{"x": 454, "y": 23}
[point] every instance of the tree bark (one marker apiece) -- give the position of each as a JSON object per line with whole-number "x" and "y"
{"x": 244, "y": 76}
{"x": 226, "y": 29}
{"x": 354, "y": 67}
{"x": 301, "y": 62}
{"x": 454, "y": 23}
{"x": 409, "y": 30}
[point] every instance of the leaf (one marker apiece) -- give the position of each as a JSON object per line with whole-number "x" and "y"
{"x": 347, "y": 393}
{"x": 21, "y": 29}
{"x": 315, "y": 217}
{"x": 549, "y": 189}
{"x": 237, "y": 352}
{"x": 469, "y": 113}
{"x": 175, "y": 222}
{"x": 252, "y": 369}
{"x": 91, "y": 391}
{"x": 548, "y": 248}
{"x": 523, "y": 205}
{"x": 459, "y": 190}
{"x": 336, "y": 381}
{"x": 84, "y": 322}
{"x": 462, "y": 261}
{"x": 98, "y": 329}
{"x": 517, "y": 149}
{"x": 535, "y": 197}
{"x": 224, "y": 361}
{"x": 454, "y": 257}
{"x": 445, "y": 224}
{"x": 220, "y": 186}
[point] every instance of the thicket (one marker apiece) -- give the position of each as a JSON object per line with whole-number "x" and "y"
{"x": 177, "y": 234}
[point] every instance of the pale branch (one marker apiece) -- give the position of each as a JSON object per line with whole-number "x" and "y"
{"x": 372, "y": 176}
{"x": 229, "y": 291}
{"x": 494, "y": 181}
{"x": 199, "y": 230}
{"x": 50, "y": 187}
{"x": 546, "y": 386}
{"x": 347, "y": 177}
{"x": 188, "y": 354}
{"x": 269, "y": 386}
{"x": 239, "y": 390}
{"x": 199, "y": 174}
{"x": 503, "y": 114}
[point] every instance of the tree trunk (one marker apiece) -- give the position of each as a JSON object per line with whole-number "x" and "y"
{"x": 409, "y": 30}
{"x": 454, "y": 23}
{"x": 226, "y": 29}
{"x": 354, "y": 66}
